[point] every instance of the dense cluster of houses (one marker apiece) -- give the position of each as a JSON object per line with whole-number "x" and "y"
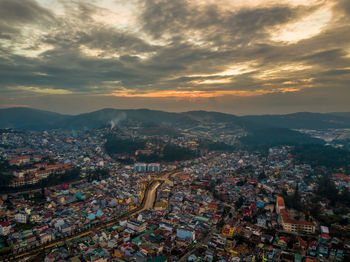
{"x": 221, "y": 207}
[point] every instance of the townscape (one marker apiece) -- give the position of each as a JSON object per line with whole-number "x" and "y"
{"x": 217, "y": 206}
{"x": 174, "y": 130}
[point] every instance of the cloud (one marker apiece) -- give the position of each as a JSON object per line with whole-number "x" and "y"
{"x": 23, "y": 11}
{"x": 173, "y": 48}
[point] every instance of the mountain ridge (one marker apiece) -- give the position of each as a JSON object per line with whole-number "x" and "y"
{"x": 36, "y": 119}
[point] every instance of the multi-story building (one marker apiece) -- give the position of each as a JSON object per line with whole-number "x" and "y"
{"x": 137, "y": 226}
{"x": 153, "y": 167}
{"x": 292, "y": 225}
{"x": 21, "y": 160}
{"x": 140, "y": 167}
{"x": 289, "y": 224}
{"x": 21, "y": 218}
{"x": 45, "y": 237}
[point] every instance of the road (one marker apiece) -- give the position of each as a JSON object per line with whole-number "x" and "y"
{"x": 146, "y": 203}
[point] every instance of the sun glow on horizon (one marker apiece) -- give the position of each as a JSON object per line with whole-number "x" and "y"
{"x": 205, "y": 94}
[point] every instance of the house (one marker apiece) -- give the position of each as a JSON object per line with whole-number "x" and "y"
{"x": 160, "y": 205}
{"x": 5, "y": 228}
{"x": 283, "y": 241}
{"x": 266, "y": 238}
{"x": 45, "y": 237}
{"x": 261, "y": 222}
{"x": 228, "y": 230}
{"x": 301, "y": 243}
{"x": 166, "y": 226}
{"x": 312, "y": 246}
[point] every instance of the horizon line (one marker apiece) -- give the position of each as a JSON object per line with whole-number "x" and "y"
{"x": 7, "y": 106}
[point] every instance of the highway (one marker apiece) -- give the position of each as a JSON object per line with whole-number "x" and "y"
{"x": 146, "y": 203}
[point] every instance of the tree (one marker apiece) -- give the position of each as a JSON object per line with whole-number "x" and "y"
{"x": 227, "y": 210}
{"x": 261, "y": 176}
{"x": 327, "y": 189}
{"x": 5, "y": 180}
{"x": 239, "y": 202}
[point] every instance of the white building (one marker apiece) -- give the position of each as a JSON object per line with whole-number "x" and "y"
{"x": 140, "y": 167}
{"x": 153, "y": 167}
{"x": 21, "y": 218}
{"x": 137, "y": 226}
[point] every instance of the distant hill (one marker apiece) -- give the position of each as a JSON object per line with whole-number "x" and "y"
{"x": 34, "y": 119}
{"x": 342, "y": 114}
{"x": 260, "y": 129}
{"x": 132, "y": 116}
{"x": 303, "y": 120}
{"x": 31, "y": 119}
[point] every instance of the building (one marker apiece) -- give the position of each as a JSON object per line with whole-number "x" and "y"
{"x": 45, "y": 237}
{"x": 292, "y": 225}
{"x": 153, "y": 167}
{"x": 289, "y": 224}
{"x": 183, "y": 233}
{"x": 228, "y": 230}
{"x": 140, "y": 167}
{"x": 280, "y": 204}
{"x": 21, "y": 160}
{"x": 166, "y": 226}
{"x": 21, "y": 218}
{"x": 137, "y": 226}
{"x": 5, "y": 228}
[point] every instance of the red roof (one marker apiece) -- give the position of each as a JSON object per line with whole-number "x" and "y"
{"x": 4, "y": 224}
{"x": 286, "y": 219}
{"x": 280, "y": 201}
{"x": 342, "y": 177}
{"x": 14, "y": 160}
{"x": 325, "y": 236}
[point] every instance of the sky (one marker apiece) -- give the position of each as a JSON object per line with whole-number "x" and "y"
{"x": 239, "y": 57}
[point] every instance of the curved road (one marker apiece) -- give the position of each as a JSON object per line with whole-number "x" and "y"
{"x": 147, "y": 203}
